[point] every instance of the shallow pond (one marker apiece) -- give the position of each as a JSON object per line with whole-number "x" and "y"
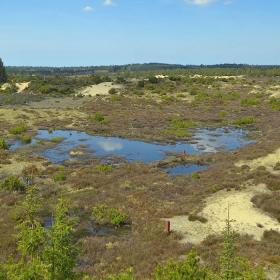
{"x": 203, "y": 141}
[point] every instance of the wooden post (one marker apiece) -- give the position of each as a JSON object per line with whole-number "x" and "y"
{"x": 167, "y": 228}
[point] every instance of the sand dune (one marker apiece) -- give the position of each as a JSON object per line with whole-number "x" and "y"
{"x": 269, "y": 161}
{"x": 246, "y": 218}
{"x": 100, "y": 89}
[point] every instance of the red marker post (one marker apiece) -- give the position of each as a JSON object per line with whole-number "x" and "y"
{"x": 167, "y": 227}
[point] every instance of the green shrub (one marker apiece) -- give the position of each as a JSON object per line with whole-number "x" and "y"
{"x": 153, "y": 80}
{"x": 26, "y": 139}
{"x": 18, "y": 129}
{"x": 117, "y": 218}
{"x": 138, "y": 93}
{"x": 3, "y": 144}
{"x": 275, "y": 104}
{"x": 167, "y": 98}
{"x": 112, "y": 91}
{"x": 249, "y": 102}
{"x": 126, "y": 275}
{"x": 196, "y": 175}
{"x": 194, "y": 217}
{"x": 99, "y": 117}
{"x": 277, "y": 166}
{"x": 13, "y": 184}
{"x": 115, "y": 98}
{"x": 243, "y": 121}
{"x": 59, "y": 176}
{"x": 189, "y": 269}
{"x": 106, "y": 215}
{"x": 103, "y": 167}
{"x": 141, "y": 84}
{"x": 179, "y": 127}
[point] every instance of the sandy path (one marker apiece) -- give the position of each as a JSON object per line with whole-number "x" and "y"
{"x": 246, "y": 218}
{"x": 268, "y": 161}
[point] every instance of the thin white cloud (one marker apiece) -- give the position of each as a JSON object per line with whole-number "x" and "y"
{"x": 108, "y": 3}
{"x": 228, "y": 2}
{"x": 88, "y": 9}
{"x": 200, "y": 2}
{"x": 110, "y": 146}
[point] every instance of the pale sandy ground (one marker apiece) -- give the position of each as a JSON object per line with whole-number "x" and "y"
{"x": 5, "y": 86}
{"x": 16, "y": 167}
{"x": 100, "y": 89}
{"x": 22, "y": 86}
{"x": 196, "y": 76}
{"x": 245, "y": 216}
{"x": 268, "y": 161}
{"x": 274, "y": 91}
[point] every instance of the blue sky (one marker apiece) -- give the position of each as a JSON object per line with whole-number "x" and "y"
{"x": 105, "y": 32}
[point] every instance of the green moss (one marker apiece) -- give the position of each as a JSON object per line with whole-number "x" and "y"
{"x": 243, "y": 121}
{"x": 57, "y": 139}
{"x": 115, "y": 98}
{"x": 249, "y": 102}
{"x": 26, "y": 139}
{"x": 195, "y": 176}
{"x": 180, "y": 127}
{"x": 18, "y": 129}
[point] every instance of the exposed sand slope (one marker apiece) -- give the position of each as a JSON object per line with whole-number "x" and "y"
{"x": 22, "y": 86}
{"x": 100, "y": 89}
{"x": 5, "y": 86}
{"x": 246, "y": 217}
{"x": 268, "y": 161}
{"x": 274, "y": 91}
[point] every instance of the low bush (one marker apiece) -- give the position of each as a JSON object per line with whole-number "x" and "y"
{"x": 13, "y": 184}
{"x": 194, "y": 217}
{"x": 277, "y": 166}
{"x": 3, "y": 144}
{"x": 112, "y": 91}
{"x": 103, "y": 167}
{"x": 249, "y": 102}
{"x": 196, "y": 175}
{"x": 26, "y": 139}
{"x": 275, "y": 104}
{"x": 243, "y": 121}
{"x": 186, "y": 269}
{"x": 18, "y": 129}
{"x": 179, "y": 127}
{"x": 59, "y": 176}
{"x": 106, "y": 215}
{"x": 57, "y": 139}
{"x": 99, "y": 118}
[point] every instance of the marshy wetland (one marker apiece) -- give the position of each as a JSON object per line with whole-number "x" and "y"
{"x": 183, "y": 147}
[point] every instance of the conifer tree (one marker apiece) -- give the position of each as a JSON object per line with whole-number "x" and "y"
{"x": 3, "y": 75}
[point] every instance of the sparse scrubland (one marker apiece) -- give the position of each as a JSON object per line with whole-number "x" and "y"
{"x": 104, "y": 218}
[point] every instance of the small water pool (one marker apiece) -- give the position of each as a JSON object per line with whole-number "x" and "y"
{"x": 205, "y": 140}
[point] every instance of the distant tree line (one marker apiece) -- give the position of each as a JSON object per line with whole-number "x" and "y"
{"x": 3, "y": 75}
{"x": 268, "y": 70}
